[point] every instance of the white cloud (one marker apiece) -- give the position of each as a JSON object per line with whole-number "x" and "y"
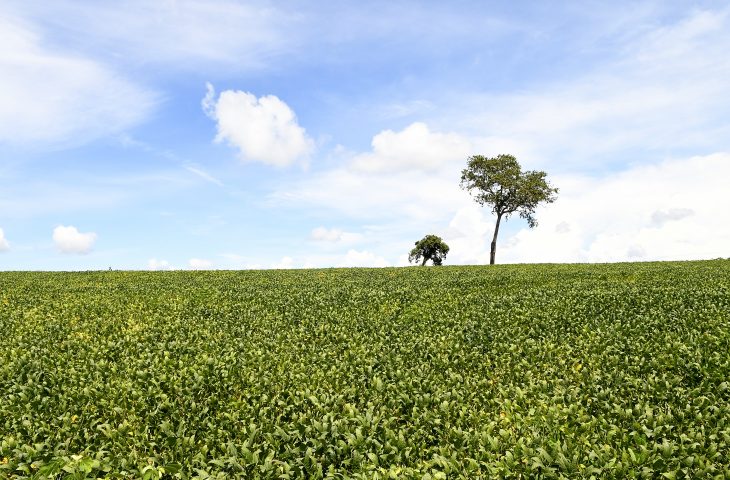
{"x": 204, "y": 175}
{"x": 233, "y": 35}
{"x": 414, "y": 148}
{"x": 562, "y": 227}
{"x": 73, "y": 190}
{"x": 242, "y": 262}
{"x": 306, "y": 260}
{"x": 236, "y": 261}
{"x": 662, "y": 95}
{"x": 351, "y": 258}
{"x": 333, "y": 235}
{"x": 397, "y": 185}
{"x": 407, "y": 197}
{"x": 467, "y": 234}
{"x": 660, "y": 217}
{"x": 356, "y": 258}
{"x": 70, "y": 240}
{"x": 199, "y": 264}
{"x": 672, "y": 210}
{"x": 183, "y": 33}
{"x": 4, "y": 244}
{"x": 635, "y": 252}
{"x": 403, "y": 261}
{"x": 665, "y": 91}
{"x": 323, "y": 234}
{"x": 284, "y": 263}
{"x": 155, "y": 264}
{"x": 409, "y": 108}
{"x": 54, "y": 98}
{"x": 263, "y": 129}
{"x": 402, "y": 202}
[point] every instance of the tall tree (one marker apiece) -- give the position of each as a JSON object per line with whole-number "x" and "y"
{"x": 500, "y": 183}
{"x": 430, "y": 247}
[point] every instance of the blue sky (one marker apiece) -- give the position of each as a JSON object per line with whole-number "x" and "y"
{"x": 222, "y": 134}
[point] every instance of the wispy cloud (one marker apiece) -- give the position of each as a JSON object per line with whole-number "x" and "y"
{"x": 664, "y": 92}
{"x": 178, "y": 33}
{"x": 204, "y": 175}
{"x": 84, "y": 100}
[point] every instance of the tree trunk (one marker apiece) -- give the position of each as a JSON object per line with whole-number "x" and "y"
{"x": 493, "y": 253}
{"x": 425, "y": 259}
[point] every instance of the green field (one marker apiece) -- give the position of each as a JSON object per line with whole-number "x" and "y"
{"x": 544, "y": 371}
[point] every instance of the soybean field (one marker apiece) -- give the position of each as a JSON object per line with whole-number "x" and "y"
{"x": 510, "y": 371}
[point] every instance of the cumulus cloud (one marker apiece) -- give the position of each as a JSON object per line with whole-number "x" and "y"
{"x": 70, "y": 240}
{"x": 415, "y": 173}
{"x": 467, "y": 234}
{"x": 666, "y": 211}
{"x": 85, "y": 99}
{"x": 155, "y": 264}
{"x": 661, "y": 95}
{"x": 263, "y": 129}
{"x": 670, "y": 210}
{"x": 199, "y": 264}
{"x": 414, "y": 148}
{"x": 357, "y": 258}
{"x": 4, "y": 244}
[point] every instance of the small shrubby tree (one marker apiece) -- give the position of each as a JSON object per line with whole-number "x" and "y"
{"x": 430, "y": 247}
{"x": 500, "y": 183}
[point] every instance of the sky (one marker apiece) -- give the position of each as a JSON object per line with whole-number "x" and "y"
{"x": 210, "y": 134}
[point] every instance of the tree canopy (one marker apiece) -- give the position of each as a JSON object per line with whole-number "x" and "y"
{"x": 430, "y": 247}
{"x": 500, "y": 183}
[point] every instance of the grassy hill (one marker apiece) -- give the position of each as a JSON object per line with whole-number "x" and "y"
{"x": 535, "y": 371}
